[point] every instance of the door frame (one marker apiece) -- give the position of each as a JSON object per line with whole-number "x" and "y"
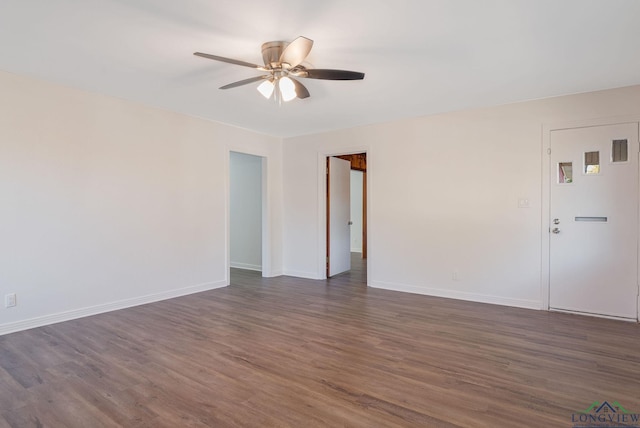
{"x": 546, "y": 200}
{"x": 266, "y": 218}
{"x": 322, "y": 207}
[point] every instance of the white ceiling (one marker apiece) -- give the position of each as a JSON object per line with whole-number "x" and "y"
{"x": 420, "y": 56}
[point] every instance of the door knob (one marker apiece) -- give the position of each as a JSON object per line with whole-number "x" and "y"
{"x": 555, "y": 230}
{"x": 350, "y": 223}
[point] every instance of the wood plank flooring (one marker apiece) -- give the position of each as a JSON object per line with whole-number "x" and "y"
{"x": 290, "y": 352}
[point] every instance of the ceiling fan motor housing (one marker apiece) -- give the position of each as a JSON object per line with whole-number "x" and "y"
{"x": 271, "y": 53}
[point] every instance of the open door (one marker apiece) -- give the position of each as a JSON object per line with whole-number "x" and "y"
{"x": 338, "y": 216}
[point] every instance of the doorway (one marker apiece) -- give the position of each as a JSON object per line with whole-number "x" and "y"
{"x": 246, "y": 202}
{"x": 346, "y": 212}
{"x": 593, "y": 231}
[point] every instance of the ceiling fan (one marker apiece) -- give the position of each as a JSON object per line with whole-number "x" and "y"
{"x": 283, "y": 64}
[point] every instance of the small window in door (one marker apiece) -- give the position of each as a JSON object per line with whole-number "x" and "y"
{"x": 592, "y": 163}
{"x": 619, "y": 151}
{"x": 565, "y": 172}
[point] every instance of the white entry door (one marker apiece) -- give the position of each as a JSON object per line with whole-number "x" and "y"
{"x": 594, "y": 220}
{"x": 339, "y": 201}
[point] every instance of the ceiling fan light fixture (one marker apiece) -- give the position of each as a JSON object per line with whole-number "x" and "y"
{"x": 266, "y": 88}
{"x": 287, "y": 88}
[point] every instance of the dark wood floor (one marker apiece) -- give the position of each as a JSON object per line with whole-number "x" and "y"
{"x": 301, "y": 353}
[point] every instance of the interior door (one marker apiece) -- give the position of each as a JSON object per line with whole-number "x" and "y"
{"x": 339, "y": 216}
{"x": 594, "y": 220}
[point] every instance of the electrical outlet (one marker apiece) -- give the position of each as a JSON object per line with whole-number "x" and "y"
{"x": 10, "y": 300}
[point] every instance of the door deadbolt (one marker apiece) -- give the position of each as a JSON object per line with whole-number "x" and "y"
{"x": 556, "y": 221}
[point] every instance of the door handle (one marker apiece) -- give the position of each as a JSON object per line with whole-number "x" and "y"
{"x": 555, "y": 230}
{"x": 350, "y": 223}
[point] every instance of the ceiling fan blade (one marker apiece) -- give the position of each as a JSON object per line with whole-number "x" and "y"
{"x": 245, "y": 81}
{"x": 229, "y": 60}
{"x": 327, "y": 74}
{"x": 296, "y": 51}
{"x": 301, "y": 91}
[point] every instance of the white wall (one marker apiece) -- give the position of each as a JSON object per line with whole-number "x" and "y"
{"x": 106, "y": 203}
{"x": 246, "y": 211}
{"x": 443, "y": 193}
{"x": 356, "y": 211}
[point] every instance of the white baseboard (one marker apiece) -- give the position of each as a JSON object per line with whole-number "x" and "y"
{"x": 271, "y": 274}
{"x": 356, "y": 250}
{"x": 460, "y": 295}
{"x": 12, "y": 327}
{"x": 589, "y": 314}
{"x": 245, "y": 266}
